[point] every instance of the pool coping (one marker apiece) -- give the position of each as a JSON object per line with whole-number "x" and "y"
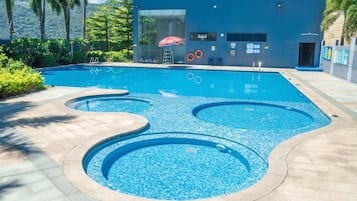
{"x": 276, "y": 174}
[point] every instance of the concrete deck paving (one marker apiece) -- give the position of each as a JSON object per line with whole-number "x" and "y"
{"x": 42, "y": 143}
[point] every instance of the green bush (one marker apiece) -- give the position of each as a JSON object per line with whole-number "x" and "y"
{"x": 3, "y": 59}
{"x": 27, "y": 50}
{"x": 48, "y": 60}
{"x": 59, "y": 48}
{"x": 17, "y": 78}
{"x": 52, "y": 52}
{"x": 114, "y": 56}
{"x": 119, "y": 56}
{"x": 79, "y": 57}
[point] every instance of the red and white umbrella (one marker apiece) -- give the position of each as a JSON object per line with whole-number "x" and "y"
{"x": 171, "y": 40}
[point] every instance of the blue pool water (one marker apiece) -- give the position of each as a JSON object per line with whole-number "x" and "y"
{"x": 109, "y": 103}
{"x": 253, "y": 116}
{"x": 210, "y": 132}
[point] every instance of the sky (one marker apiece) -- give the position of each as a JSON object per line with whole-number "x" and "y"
{"x": 96, "y": 1}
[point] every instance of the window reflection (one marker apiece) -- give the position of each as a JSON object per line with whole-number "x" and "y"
{"x": 155, "y": 25}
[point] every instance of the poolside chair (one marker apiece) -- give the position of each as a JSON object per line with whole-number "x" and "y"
{"x": 220, "y": 61}
{"x": 151, "y": 59}
{"x": 142, "y": 59}
{"x": 210, "y": 60}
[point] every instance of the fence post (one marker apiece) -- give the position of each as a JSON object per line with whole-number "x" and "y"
{"x": 350, "y": 59}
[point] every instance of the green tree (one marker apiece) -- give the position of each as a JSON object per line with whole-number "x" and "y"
{"x": 124, "y": 20}
{"x": 98, "y": 26}
{"x": 335, "y": 8}
{"x": 66, "y": 6}
{"x": 9, "y": 5}
{"x": 112, "y": 23}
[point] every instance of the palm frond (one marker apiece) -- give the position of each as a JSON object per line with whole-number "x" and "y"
{"x": 350, "y": 25}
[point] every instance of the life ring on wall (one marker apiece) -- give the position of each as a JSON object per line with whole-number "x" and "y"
{"x": 190, "y": 57}
{"x": 198, "y": 54}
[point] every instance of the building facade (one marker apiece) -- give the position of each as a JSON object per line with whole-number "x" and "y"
{"x": 230, "y": 32}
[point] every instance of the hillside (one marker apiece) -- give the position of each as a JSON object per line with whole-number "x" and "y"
{"x": 26, "y": 23}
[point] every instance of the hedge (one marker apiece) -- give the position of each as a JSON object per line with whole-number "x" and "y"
{"x": 17, "y": 78}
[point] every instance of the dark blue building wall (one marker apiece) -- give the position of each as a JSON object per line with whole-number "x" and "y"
{"x": 295, "y": 22}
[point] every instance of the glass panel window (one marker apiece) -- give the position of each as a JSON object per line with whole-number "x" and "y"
{"x": 155, "y": 25}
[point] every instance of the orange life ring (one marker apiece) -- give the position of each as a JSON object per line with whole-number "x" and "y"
{"x": 190, "y": 56}
{"x": 198, "y": 54}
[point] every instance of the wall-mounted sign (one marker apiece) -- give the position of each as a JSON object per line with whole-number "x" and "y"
{"x": 233, "y": 45}
{"x": 341, "y": 57}
{"x": 253, "y": 48}
{"x": 203, "y": 36}
{"x": 327, "y": 53}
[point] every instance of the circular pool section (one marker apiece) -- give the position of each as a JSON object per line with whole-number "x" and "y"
{"x": 109, "y": 103}
{"x": 253, "y": 116}
{"x": 174, "y": 166}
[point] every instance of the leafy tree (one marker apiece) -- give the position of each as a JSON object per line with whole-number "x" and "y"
{"x": 98, "y": 26}
{"x": 112, "y": 23}
{"x": 124, "y": 21}
{"x": 335, "y": 8}
{"x": 9, "y": 5}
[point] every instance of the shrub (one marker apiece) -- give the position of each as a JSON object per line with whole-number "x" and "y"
{"x": 80, "y": 44}
{"x": 17, "y": 78}
{"x": 59, "y": 48}
{"x": 79, "y": 57}
{"x": 27, "y": 50}
{"x": 114, "y": 56}
{"x": 119, "y": 56}
{"x": 48, "y": 60}
{"x": 3, "y": 59}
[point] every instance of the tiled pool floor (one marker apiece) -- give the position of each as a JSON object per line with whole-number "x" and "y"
{"x": 42, "y": 142}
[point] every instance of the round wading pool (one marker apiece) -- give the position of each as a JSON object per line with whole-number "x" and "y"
{"x": 253, "y": 116}
{"x": 174, "y": 166}
{"x": 109, "y": 103}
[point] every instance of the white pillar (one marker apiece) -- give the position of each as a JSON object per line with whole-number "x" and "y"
{"x": 332, "y": 57}
{"x": 350, "y": 59}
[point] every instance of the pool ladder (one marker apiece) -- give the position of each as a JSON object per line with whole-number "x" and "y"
{"x": 259, "y": 66}
{"x": 93, "y": 60}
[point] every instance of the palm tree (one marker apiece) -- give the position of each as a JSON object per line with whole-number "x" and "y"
{"x": 9, "y": 4}
{"x": 335, "y": 8}
{"x": 39, "y": 8}
{"x": 66, "y": 6}
{"x": 85, "y": 3}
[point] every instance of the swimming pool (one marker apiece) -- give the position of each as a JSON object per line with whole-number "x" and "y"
{"x": 193, "y": 110}
{"x": 109, "y": 103}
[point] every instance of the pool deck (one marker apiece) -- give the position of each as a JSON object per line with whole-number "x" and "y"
{"x": 42, "y": 143}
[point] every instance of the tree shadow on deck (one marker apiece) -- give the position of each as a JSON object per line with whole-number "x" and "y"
{"x": 10, "y": 110}
{"x": 11, "y": 140}
{"x": 7, "y": 186}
